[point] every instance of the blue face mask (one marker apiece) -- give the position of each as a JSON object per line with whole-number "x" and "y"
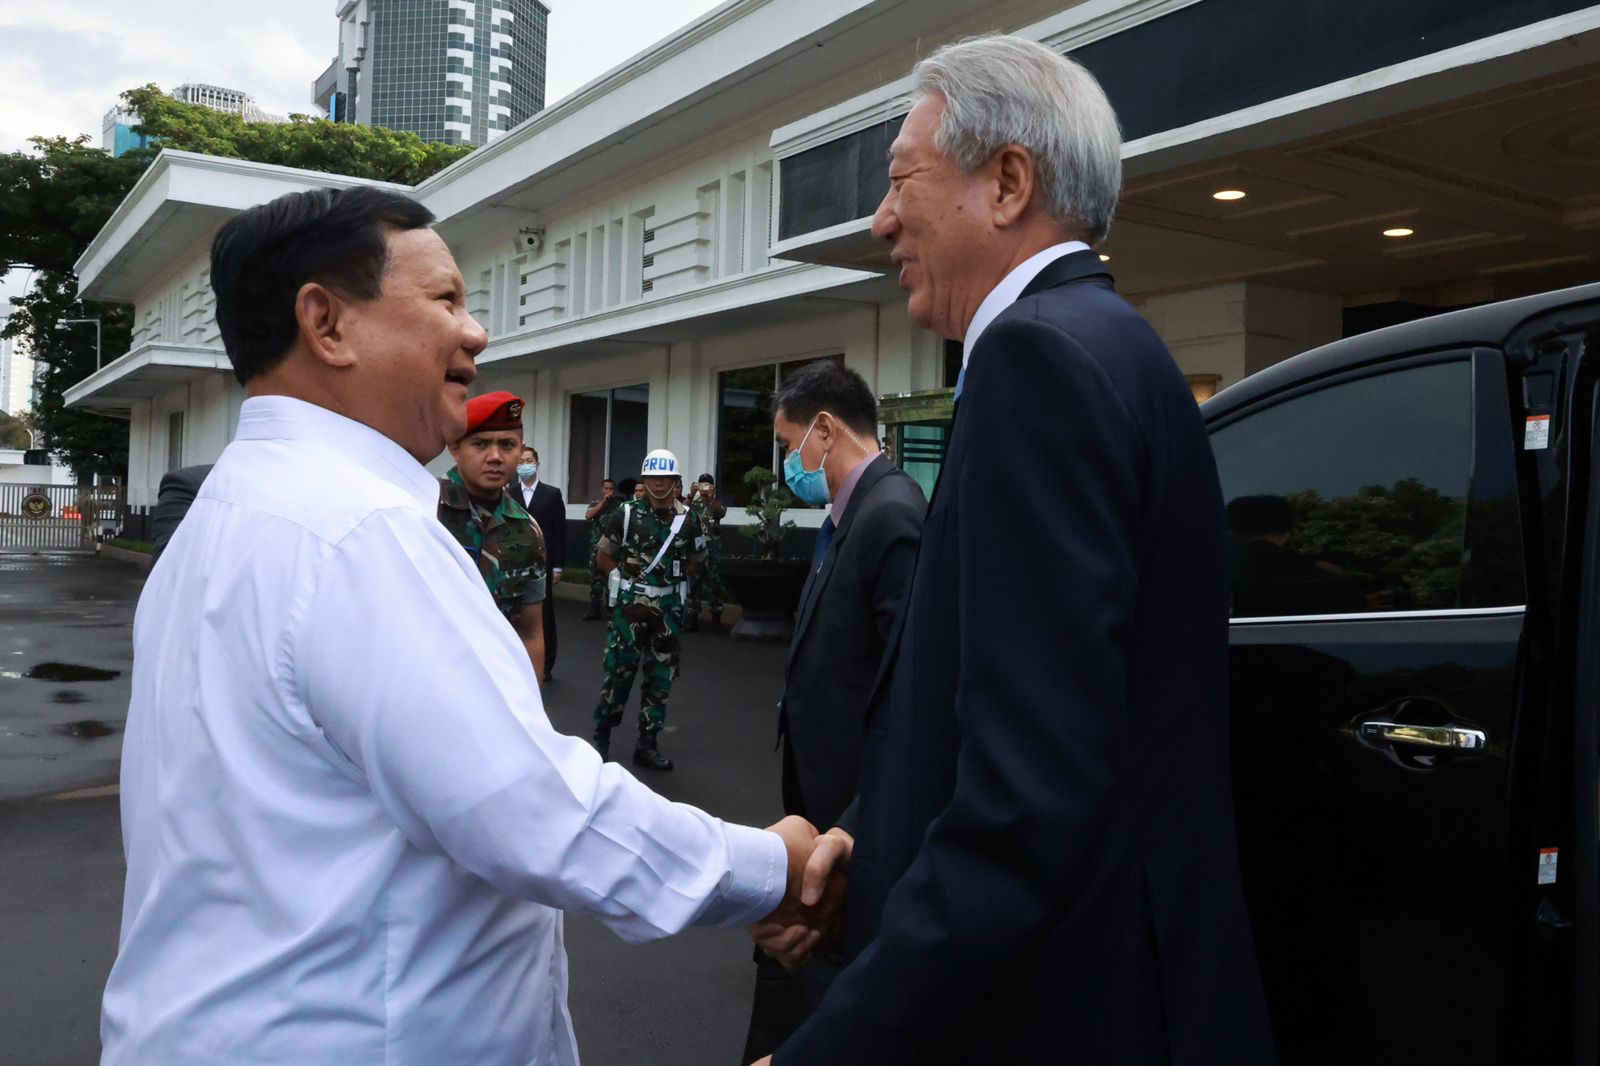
{"x": 809, "y": 486}
{"x": 526, "y": 471}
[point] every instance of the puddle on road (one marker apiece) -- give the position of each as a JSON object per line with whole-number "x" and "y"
{"x": 68, "y": 695}
{"x": 88, "y": 729}
{"x": 66, "y": 673}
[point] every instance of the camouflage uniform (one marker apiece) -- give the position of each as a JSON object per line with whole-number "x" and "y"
{"x": 506, "y": 544}
{"x": 643, "y": 626}
{"x": 707, "y": 585}
{"x": 597, "y": 580}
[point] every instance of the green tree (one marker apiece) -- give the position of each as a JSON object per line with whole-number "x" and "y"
{"x": 14, "y": 432}
{"x": 57, "y": 196}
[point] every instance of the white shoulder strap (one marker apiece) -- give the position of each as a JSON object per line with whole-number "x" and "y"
{"x": 677, "y": 524}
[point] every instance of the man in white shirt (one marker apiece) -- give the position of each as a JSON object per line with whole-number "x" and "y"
{"x": 350, "y": 828}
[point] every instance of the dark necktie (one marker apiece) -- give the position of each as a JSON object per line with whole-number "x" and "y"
{"x": 824, "y": 538}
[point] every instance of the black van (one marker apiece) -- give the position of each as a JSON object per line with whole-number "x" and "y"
{"x": 1415, "y": 646}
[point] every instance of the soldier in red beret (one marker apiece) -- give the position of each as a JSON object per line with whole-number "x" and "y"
{"x": 500, "y": 536}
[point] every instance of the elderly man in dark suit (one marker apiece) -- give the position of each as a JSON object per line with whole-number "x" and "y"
{"x": 826, "y": 419}
{"x": 1044, "y": 866}
{"x": 543, "y": 501}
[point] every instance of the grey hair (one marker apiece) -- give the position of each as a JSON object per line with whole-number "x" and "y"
{"x": 1002, "y": 90}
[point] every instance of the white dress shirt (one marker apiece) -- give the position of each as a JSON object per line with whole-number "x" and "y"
{"x": 1005, "y": 294}
{"x": 350, "y": 828}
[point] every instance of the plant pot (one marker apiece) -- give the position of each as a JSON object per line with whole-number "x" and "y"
{"x": 768, "y": 591}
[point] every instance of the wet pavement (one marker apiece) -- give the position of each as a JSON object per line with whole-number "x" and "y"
{"x": 674, "y": 1003}
{"x": 66, "y": 655}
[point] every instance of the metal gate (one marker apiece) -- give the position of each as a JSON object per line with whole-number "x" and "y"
{"x": 57, "y": 517}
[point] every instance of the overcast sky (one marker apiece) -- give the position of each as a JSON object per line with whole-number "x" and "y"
{"x": 63, "y": 62}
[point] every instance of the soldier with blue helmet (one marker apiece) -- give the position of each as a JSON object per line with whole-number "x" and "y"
{"x": 649, "y": 549}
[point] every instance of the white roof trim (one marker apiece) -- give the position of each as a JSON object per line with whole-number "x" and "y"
{"x": 231, "y": 185}
{"x": 198, "y": 358}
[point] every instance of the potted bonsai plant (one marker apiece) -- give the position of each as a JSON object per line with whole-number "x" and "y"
{"x": 766, "y": 585}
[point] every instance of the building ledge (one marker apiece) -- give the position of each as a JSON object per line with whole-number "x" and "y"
{"x": 671, "y": 318}
{"x": 145, "y": 372}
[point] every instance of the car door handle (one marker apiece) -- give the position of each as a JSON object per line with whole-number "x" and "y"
{"x": 1451, "y": 737}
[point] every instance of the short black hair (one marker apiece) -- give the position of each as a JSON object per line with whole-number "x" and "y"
{"x": 707, "y": 478}
{"x": 829, "y": 386}
{"x": 261, "y": 258}
{"x": 626, "y": 485}
{"x": 608, "y": 481}
{"x": 1259, "y": 516}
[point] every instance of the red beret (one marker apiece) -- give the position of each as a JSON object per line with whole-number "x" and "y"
{"x": 493, "y": 410}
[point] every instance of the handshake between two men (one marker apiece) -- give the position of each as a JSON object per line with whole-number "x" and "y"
{"x": 812, "y": 913}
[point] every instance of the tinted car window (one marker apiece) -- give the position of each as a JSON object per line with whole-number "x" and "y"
{"x": 1351, "y": 498}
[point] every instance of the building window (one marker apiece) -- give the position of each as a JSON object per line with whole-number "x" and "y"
{"x": 609, "y": 437}
{"x": 174, "y": 440}
{"x": 744, "y": 425}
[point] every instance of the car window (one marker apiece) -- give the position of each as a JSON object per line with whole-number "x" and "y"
{"x": 1351, "y": 498}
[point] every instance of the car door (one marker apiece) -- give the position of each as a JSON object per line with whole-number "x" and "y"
{"x": 1378, "y": 608}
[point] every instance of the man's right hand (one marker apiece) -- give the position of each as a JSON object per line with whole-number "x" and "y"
{"x": 813, "y": 913}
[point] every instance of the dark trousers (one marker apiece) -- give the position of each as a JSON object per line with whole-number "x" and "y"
{"x": 550, "y": 631}
{"x": 783, "y": 1002}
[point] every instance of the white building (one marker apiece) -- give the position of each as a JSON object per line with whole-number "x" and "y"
{"x": 16, "y": 375}
{"x": 649, "y": 253}
{"x": 229, "y": 101}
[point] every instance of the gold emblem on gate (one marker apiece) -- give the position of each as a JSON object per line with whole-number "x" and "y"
{"x": 36, "y": 505}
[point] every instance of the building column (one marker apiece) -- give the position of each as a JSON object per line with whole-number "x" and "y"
{"x": 1231, "y": 331}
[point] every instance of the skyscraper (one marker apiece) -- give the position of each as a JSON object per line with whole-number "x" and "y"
{"x": 458, "y": 71}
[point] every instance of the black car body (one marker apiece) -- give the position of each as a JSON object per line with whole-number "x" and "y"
{"x": 1414, "y": 652}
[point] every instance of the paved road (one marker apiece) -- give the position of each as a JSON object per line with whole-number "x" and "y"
{"x": 682, "y": 1001}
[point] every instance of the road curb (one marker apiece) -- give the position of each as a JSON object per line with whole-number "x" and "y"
{"x": 123, "y": 555}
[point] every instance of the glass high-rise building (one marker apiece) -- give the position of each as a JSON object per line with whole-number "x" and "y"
{"x": 458, "y": 71}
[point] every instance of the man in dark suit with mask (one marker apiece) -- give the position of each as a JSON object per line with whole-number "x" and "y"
{"x": 545, "y": 504}
{"x": 1044, "y": 866}
{"x": 826, "y": 419}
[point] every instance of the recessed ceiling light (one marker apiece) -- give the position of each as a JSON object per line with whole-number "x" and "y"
{"x": 1228, "y": 194}
{"x": 1104, "y": 258}
{"x": 1399, "y": 231}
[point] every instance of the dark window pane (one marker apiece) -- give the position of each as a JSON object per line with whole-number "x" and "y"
{"x": 1351, "y": 498}
{"x": 630, "y": 430}
{"x": 952, "y": 362}
{"x": 744, "y": 428}
{"x": 586, "y": 444}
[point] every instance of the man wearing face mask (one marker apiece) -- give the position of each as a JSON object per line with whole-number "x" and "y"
{"x": 543, "y": 501}
{"x": 826, "y": 418}
{"x": 649, "y": 549}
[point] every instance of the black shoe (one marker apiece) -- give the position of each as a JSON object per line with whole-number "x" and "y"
{"x": 594, "y": 615}
{"x": 647, "y": 755}
{"x": 601, "y": 741}
{"x": 716, "y": 623}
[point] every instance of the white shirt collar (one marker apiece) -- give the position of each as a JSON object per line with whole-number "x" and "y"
{"x": 287, "y": 418}
{"x": 1005, "y": 294}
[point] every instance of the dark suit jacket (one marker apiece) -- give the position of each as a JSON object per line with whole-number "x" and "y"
{"x": 846, "y": 610}
{"x": 550, "y": 511}
{"x": 173, "y": 499}
{"x": 1045, "y": 868}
